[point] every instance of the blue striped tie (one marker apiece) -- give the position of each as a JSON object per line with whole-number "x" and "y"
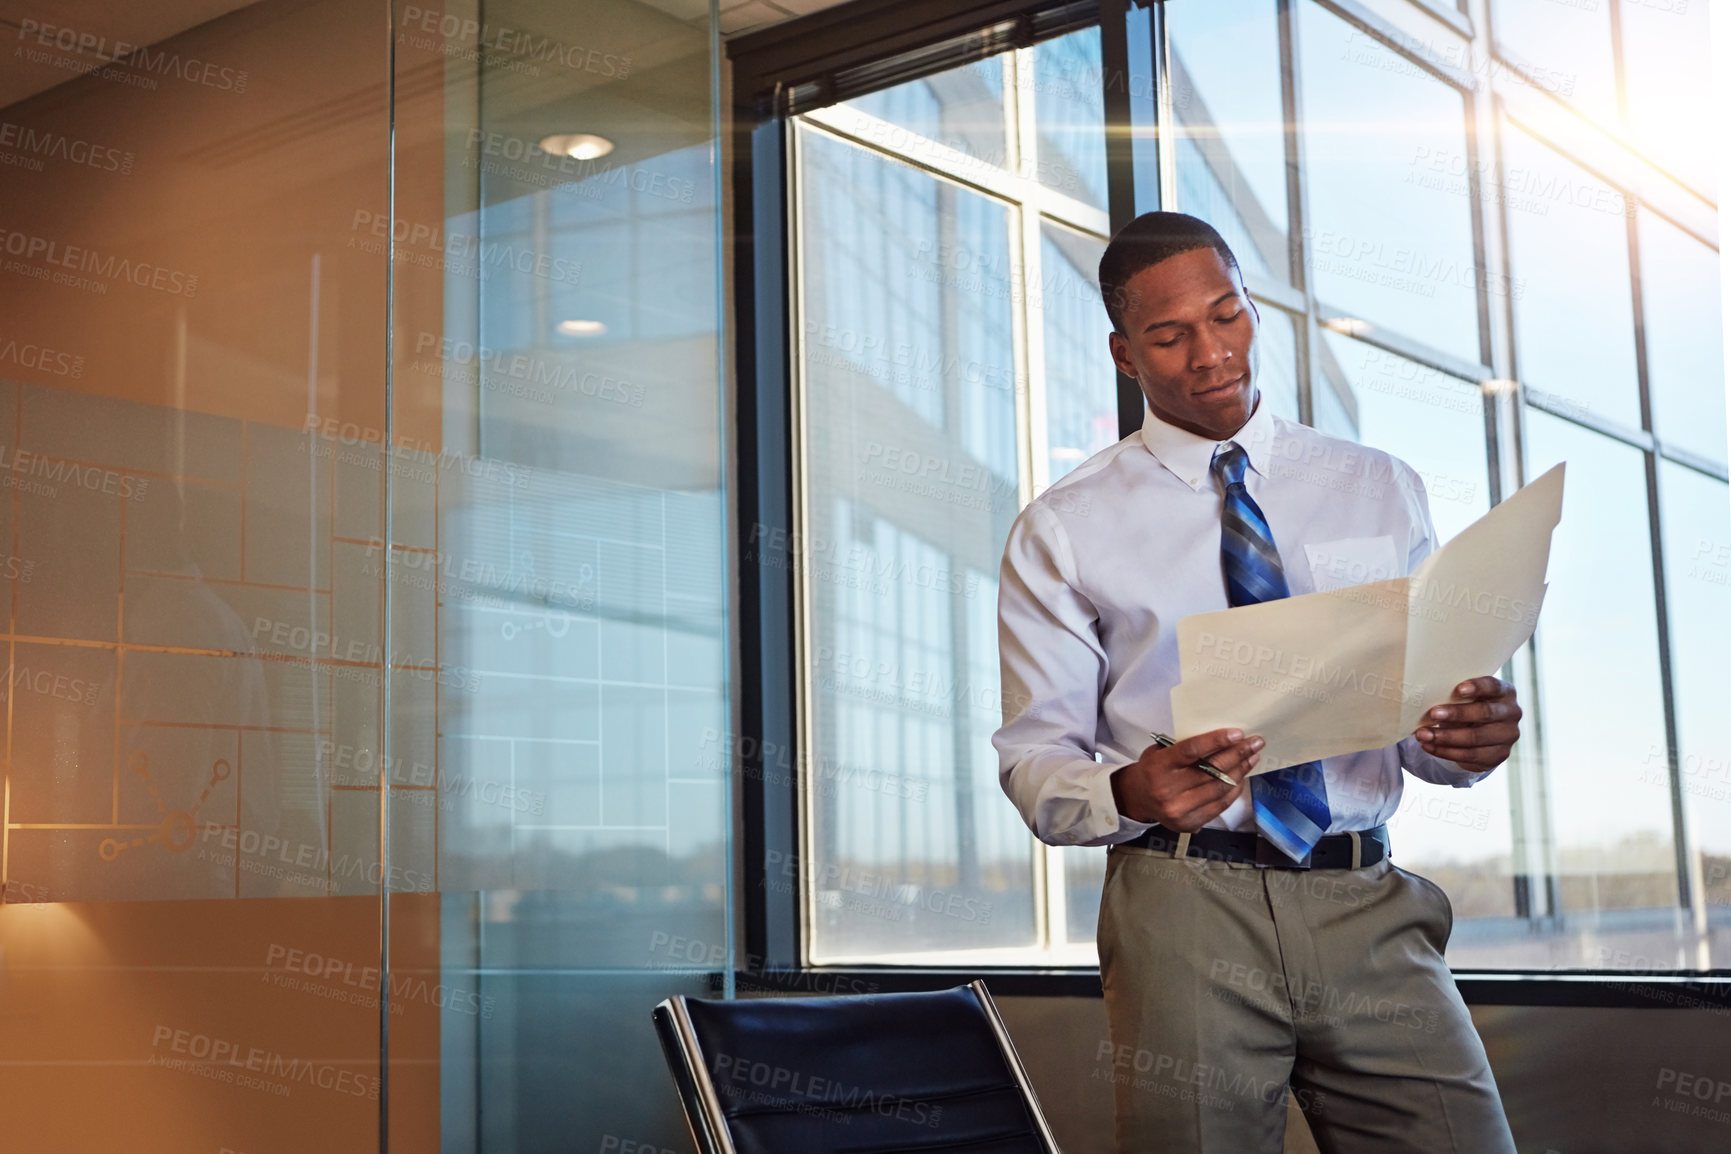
{"x": 1291, "y": 804}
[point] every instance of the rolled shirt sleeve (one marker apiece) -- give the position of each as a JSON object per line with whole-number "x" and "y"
{"x": 1053, "y": 671}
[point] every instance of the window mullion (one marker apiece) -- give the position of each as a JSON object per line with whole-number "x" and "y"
{"x": 1298, "y": 214}
{"x": 1165, "y": 116}
{"x": 1031, "y": 397}
{"x": 1689, "y": 879}
{"x": 802, "y": 680}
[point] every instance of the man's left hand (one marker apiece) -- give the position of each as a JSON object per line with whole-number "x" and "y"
{"x": 1477, "y": 728}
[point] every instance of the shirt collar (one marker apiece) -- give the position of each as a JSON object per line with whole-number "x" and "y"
{"x": 1188, "y": 456}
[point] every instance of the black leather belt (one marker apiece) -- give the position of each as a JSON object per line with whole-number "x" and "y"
{"x": 1333, "y": 852}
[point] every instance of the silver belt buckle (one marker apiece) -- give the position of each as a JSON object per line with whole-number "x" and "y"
{"x": 1269, "y": 856}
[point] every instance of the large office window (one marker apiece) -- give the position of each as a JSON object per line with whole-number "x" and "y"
{"x": 1563, "y": 50}
{"x": 1571, "y": 253}
{"x": 1232, "y": 129}
{"x": 953, "y": 359}
{"x": 1383, "y": 246}
{"x": 1428, "y": 250}
{"x": 912, "y": 479}
{"x": 1434, "y": 421}
{"x": 1631, "y": 832}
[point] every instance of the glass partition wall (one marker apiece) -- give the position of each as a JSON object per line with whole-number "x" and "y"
{"x": 366, "y": 726}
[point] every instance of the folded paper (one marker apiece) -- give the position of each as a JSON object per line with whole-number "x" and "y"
{"x": 1356, "y": 667}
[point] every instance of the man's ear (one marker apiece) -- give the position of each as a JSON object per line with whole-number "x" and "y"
{"x": 1119, "y": 345}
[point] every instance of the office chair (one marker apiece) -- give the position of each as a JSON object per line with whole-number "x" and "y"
{"x": 869, "y": 1074}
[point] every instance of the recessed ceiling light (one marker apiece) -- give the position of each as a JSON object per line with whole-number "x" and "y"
{"x": 582, "y": 328}
{"x": 581, "y": 145}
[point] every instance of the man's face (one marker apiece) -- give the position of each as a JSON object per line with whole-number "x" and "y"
{"x": 1188, "y": 327}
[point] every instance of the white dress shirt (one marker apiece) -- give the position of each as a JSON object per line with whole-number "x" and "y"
{"x": 1099, "y": 569}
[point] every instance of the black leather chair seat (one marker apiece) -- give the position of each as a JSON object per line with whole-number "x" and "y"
{"x": 873, "y": 1074}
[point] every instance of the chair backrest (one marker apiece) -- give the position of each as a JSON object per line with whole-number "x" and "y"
{"x": 870, "y": 1073}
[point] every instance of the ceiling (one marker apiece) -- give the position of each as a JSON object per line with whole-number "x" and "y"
{"x": 750, "y": 15}
{"x": 104, "y": 23}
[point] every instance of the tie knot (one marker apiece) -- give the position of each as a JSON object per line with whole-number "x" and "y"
{"x": 1229, "y": 465}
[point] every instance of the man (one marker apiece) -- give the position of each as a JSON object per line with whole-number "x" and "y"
{"x": 1255, "y": 939}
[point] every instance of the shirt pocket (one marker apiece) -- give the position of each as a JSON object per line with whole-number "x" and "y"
{"x": 1352, "y": 561}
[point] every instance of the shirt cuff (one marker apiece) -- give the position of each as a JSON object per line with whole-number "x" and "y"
{"x": 1437, "y": 770}
{"x": 1128, "y": 828}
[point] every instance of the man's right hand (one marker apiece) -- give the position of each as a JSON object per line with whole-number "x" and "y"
{"x": 1164, "y": 785}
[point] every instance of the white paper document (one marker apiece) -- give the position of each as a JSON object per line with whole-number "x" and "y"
{"x": 1355, "y": 667}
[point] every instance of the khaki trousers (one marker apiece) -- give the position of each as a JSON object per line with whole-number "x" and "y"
{"x": 1229, "y": 987}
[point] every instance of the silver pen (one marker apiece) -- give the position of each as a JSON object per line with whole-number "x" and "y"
{"x": 1166, "y": 742}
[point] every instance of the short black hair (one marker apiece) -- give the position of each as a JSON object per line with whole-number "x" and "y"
{"x": 1148, "y": 240}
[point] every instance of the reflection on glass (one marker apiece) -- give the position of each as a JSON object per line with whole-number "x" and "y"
{"x": 1561, "y": 49}
{"x": 1276, "y": 361}
{"x": 1070, "y": 116}
{"x": 1681, "y": 317}
{"x": 1569, "y": 259}
{"x": 191, "y": 417}
{"x": 911, "y": 484}
{"x": 565, "y": 563}
{"x": 1435, "y": 423}
{"x": 1668, "y": 87}
{"x": 1232, "y": 141}
{"x": 1081, "y": 381}
{"x": 962, "y": 108}
{"x": 1391, "y": 240}
{"x": 1614, "y": 847}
